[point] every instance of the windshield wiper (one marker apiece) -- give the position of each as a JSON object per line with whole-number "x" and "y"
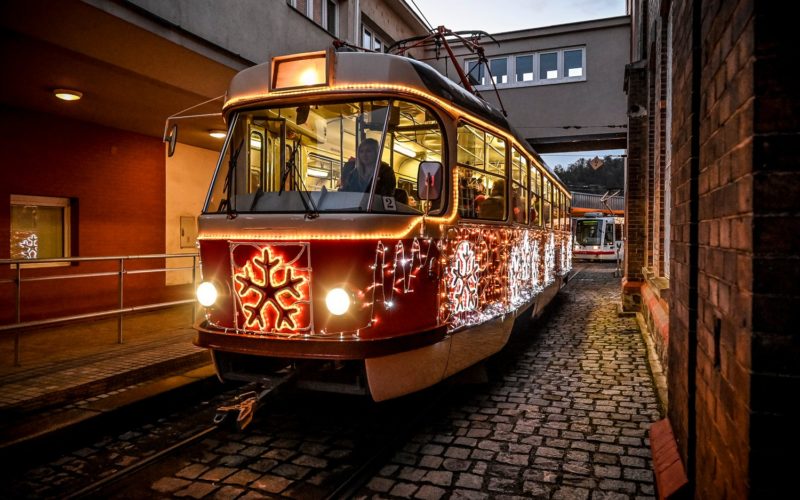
{"x": 291, "y": 168}
{"x": 229, "y": 211}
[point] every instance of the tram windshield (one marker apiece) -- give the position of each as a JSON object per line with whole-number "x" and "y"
{"x": 322, "y": 158}
{"x": 588, "y": 232}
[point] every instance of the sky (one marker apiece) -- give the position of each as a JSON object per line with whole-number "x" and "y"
{"x": 511, "y": 15}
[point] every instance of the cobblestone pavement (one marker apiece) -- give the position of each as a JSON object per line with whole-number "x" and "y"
{"x": 568, "y": 419}
{"x": 564, "y": 415}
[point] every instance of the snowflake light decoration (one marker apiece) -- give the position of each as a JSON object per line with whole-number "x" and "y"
{"x": 549, "y": 259}
{"x": 273, "y": 293}
{"x": 463, "y": 277}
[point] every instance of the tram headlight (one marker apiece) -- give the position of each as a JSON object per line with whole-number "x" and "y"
{"x": 207, "y": 294}
{"x": 338, "y": 301}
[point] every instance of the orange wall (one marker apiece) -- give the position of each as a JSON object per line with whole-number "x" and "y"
{"x": 116, "y": 180}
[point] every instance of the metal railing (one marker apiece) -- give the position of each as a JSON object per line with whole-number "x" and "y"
{"x": 20, "y": 265}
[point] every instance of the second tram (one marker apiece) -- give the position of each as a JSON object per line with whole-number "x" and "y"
{"x": 598, "y": 237}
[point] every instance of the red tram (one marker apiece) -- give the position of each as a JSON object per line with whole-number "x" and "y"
{"x": 457, "y": 229}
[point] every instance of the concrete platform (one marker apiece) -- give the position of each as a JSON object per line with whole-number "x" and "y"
{"x": 74, "y": 373}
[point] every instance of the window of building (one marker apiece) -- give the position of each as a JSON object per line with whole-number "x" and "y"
{"x": 499, "y": 69}
{"x": 538, "y": 68}
{"x": 524, "y": 68}
{"x": 475, "y": 73}
{"x": 548, "y": 65}
{"x": 370, "y": 40}
{"x": 331, "y": 16}
{"x": 40, "y": 227}
{"x": 573, "y": 63}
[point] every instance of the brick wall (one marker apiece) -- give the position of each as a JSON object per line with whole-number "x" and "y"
{"x": 680, "y": 310}
{"x": 773, "y": 350}
{"x": 725, "y": 222}
{"x": 116, "y": 180}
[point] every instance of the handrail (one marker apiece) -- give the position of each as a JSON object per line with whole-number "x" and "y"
{"x": 18, "y": 327}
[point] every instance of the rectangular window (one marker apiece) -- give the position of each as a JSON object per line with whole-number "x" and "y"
{"x": 331, "y": 15}
{"x": 524, "y": 68}
{"x": 536, "y": 196}
{"x": 573, "y": 63}
{"x": 519, "y": 187}
{"x": 482, "y": 174}
{"x": 40, "y": 227}
{"x": 499, "y": 69}
{"x": 548, "y": 65}
{"x": 475, "y": 73}
{"x": 367, "y": 40}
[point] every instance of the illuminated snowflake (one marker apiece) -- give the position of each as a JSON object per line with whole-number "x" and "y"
{"x": 270, "y": 292}
{"x": 464, "y": 276}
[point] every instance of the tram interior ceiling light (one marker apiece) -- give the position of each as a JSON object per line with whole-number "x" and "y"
{"x": 404, "y": 150}
{"x": 67, "y": 94}
{"x": 217, "y": 134}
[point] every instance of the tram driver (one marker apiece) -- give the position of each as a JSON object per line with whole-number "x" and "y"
{"x": 357, "y": 172}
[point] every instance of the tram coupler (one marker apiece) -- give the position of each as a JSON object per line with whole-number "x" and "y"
{"x": 246, "y": 404}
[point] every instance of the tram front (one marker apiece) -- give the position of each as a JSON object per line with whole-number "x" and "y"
{"x": 315, "y": 238}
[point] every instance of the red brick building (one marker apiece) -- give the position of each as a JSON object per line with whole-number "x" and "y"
{"x": 711, "y": 263}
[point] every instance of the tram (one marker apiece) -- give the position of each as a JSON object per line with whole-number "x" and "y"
{"x": 598, "y": 237}
{"x": 457, "y": 229}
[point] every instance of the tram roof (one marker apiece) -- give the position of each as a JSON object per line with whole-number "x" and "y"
{"x": 359, "y": 71}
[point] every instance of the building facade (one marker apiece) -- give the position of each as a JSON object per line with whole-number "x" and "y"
{"x": 91, "y": 177}
{"x": 562, "y": 86}
{"x": 712, "y": 190}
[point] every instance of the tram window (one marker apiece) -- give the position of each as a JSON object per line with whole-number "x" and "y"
{"x": 471, "y": 146}
{"x": 536, "y": 196}
{"x": 609, "y": 233}
{"x": 587, "y": 232}
{"x": 493, "y": 205}
{"x": 495, "y": 155}
{"x": 547, "y": 198}
{"x": 519, "y": 188}
{"x": 256, "y": 153}
{"x": 293, "y": 158}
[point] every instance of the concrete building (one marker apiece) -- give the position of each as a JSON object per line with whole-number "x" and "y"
{"x": 92, "y": 175}
{"x": 562, "y": 86}
{"x": 711, "y": 263}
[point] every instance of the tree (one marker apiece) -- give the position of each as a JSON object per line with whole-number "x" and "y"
{"x": 580, "y": 176}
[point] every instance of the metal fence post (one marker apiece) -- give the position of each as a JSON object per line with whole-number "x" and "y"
{"x": 121, "y": 287}
{"x": 194, "y": 287}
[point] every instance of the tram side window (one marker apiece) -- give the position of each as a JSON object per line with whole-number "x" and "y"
{"x": 519, "y": 187}
{"x": 547, "y": 200}
{"x": 536, "y": 196}
{"x": 609, "y": 233}
{"x": 481, "y": 174}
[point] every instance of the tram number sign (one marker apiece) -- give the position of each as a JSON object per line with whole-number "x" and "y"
{"x": 389, "y": 204}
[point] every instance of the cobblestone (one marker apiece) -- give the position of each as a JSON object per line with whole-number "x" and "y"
{"x": 568, "y": 419}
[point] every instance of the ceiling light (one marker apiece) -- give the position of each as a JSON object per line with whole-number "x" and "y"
{"x": 404, "y": 150}
{"x": 217, "y": 134}
{"x": 67, "y": 94}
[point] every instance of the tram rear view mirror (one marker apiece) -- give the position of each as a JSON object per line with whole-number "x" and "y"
{"x": 429, "y": 180}
{"x": 172, "y": 139}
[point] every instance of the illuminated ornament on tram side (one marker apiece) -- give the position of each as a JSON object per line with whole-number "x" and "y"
{"x": 549, "y": 259}
{"x": 520, "y": 270}
{"x": 272, "y": 288}
{"x": 462, "y": 279}
{"x": 535, "y": 282}
{"x": 566, "y": 255}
